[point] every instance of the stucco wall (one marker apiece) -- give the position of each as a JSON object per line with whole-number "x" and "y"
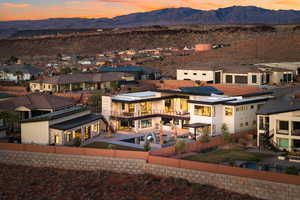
{"x": 35, "y": 132}
{"x": 201, "y": 75}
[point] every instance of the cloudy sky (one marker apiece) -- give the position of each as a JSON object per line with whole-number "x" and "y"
{"x": 41, "y": 9}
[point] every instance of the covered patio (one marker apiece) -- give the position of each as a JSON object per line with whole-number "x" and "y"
{"x": 196, "y": 126}
{"x": 83, "y": 128}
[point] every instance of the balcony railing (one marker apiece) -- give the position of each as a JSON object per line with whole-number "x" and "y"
{"x": 154, "y": 112}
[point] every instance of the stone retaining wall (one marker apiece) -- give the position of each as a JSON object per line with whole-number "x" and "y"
{"x": 202, "y": 173}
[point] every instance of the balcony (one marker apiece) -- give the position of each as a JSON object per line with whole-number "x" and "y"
{"x": 129, "y": 115}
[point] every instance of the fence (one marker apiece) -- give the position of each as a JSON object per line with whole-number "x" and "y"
{"x": 197, "y": 145}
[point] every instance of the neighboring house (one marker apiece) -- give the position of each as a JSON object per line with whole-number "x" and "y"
{"x": 293, "y": 66}
{"x": 18, "y": 72}
{"x": 62, "y": 127}
{"x": 239, "y": 74}
{"x": 75, "y": 82}
{"x": 187, "y": 107}
{"x": 279, "y": 124}
{"x": 33, "y": 105}
{"x": 140, "y": 73}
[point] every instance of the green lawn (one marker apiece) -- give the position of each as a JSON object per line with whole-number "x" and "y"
{"x": 104, "y": 145}
{"x": 221, "y": 155}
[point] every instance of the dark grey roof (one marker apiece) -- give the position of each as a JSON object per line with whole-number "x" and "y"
{"x": 56, "y": 115}
{"x": 200, "y": 90}
{"x": 82, "y": 77}
{"x": 37, "y": 101}
{"x": 146, "y": 70}
{"x": 20, "y": 67}
{"x": 73, "y": 123}
{"x": 195, "y": 125}
{"x": 280, "y": 105}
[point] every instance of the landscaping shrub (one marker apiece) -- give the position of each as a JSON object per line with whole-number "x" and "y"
{"x": 77, "y": 142}
{"x": 147, "y": 146}
{"x": 292, "y": 170}
{"x": 180, "y": 146}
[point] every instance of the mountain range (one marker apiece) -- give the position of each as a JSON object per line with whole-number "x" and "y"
{"x": 166, "y": 17}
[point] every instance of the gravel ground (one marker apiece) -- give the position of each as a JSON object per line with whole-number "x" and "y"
{"x": 19, "y": 182}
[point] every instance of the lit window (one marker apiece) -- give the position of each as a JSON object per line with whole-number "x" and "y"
{"x": 241, "y": 125}
{"x": 254, "y": 123}
{"x": 203, "y": 111}
{"x": 147, "y": 123}
{"x": 228, "y": 111}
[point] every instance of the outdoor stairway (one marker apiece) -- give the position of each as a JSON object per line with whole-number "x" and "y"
{"x": 267, "y": 142}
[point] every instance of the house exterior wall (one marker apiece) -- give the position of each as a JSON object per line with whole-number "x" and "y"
{"x": 35, "y": 132}
{"x": 106, "y": 106}
{"x": 196, "y": 75}
{"x": 274, "y": 129}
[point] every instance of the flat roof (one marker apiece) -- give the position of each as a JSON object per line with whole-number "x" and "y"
{"x": 195, "y": 125}
{"x": 225, "y": 100}
{"x": 79, "y": 121}
{"x": 135, "y": 96}
{"x": 56, "y": 114}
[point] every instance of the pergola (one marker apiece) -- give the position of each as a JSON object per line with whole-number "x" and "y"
{"x": 195, "y": 126}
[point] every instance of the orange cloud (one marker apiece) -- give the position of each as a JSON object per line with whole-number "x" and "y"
{"x": 15, "y": 5}
{"x": 288, "y": 3}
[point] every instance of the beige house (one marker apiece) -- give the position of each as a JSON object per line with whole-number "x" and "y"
{"x": 279, "y": 125}
{"x": 62, "y": 127}
{"x": 237, "y": 74}
{"x": 75, "y": 82}
{"x": 188, "y": 108}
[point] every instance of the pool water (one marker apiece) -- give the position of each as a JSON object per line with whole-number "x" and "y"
{"x": 250, "y": 165}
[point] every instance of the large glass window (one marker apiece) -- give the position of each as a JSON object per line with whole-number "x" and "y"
{"x": 203, "y": 110}
{"x": 146, "y": 107}
{"x": 228, "y": 111}
{"x": 146, "y": 123}
{"x": 283, "y": 125}
{"x": 131, "y": 108}
{"x": 283, "y": 142}
{"x": 254, "y": 78}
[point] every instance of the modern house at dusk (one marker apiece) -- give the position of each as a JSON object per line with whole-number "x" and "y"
{"x": 190, "y": 108}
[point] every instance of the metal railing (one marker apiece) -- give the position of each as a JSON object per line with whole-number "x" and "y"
{"x": 154, "y": 112}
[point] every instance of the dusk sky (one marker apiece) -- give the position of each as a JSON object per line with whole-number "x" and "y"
{"x": 41, "y": 9}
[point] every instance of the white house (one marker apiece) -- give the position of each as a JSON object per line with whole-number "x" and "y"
{"x": 279, "y": 124}
{"x": 62, "y": 127}
{"x": 189, "y": 108}
{"x": 237, "y": 74}
{"x": 18, "y": 72}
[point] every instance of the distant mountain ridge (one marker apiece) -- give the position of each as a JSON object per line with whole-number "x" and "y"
{"x": 169, "y": 16}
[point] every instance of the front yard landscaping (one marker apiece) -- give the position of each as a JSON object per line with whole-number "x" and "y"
{"x": 104, "y": 145}
{"x": 227, "y": 155}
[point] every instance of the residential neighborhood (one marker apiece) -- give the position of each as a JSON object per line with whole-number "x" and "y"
{"x": 170, "y": 104}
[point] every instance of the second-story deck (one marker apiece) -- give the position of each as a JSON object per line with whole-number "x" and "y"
{"x": 154, "y": 113}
